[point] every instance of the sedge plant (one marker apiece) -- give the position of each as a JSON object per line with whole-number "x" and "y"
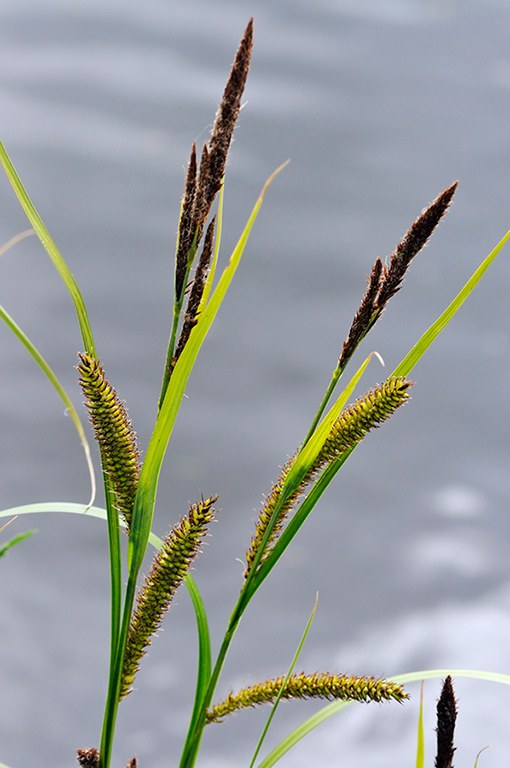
{"x": 131, "y": 484}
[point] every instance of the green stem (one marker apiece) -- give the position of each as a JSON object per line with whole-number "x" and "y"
{"x": 178, "y": 303}
{"x": 112, "y": 698}
{"x": 194, "y": 737}
{"x": 112, "y": 518}
{"x": 325, "y": 400}
{"x": 170, "y": 351}
{"x": 334, "y": 381}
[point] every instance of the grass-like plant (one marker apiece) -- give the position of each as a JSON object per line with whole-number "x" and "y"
{"x": 130, "y": 484}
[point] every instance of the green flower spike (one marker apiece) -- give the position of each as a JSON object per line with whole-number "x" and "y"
{"x": 114, "y": 433}
{"x": 267, "y": 511}
{"x": 168, "y": 570}
{"x": 319, "y": 685}
{"x": 367, "y": 412}
{"x": 347, "y": 431}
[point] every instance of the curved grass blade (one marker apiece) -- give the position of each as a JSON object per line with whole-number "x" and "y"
{"x": 331, "y": 709}
{"x": 290, "y": 670}
{"x": 4, "y": 548}
{"x": 204, "y": 653}
{"x": 478, "y": 755}
{"x": 51, "y": 249}
{"x": 16, "y": 239}
{"x": 45, "y": 368}
{"x": 72, "y": 508}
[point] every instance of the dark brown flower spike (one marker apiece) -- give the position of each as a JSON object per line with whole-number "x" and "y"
{"x": 319, "y": 685}
{"x": 196, "y": 291}
{"x": 200, "y": 189}
{"x": 228, "y": 112}
{"x": 446, "y": 717}
{"x": 412, "y": 242}
{"x": 386, "y": 279}
{"x": 88, "y": 757}
{"x": 186, "y": 230}
{"x": 363, "y": 317}
{"x": 201, "y": 206}
{"x": 214, "y": 153}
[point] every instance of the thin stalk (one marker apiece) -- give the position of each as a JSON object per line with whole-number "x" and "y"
{"x": 112, "y": 518}
{"x": 325, "y": 400}
{"x": 284, "y": 683}
{"x": 178, "y": 304}
{"x": 293, "y": 526}
{"x": 194, "y": 737}
{"x": 340, "y": 368}
{"x": 170, "y": 351}
{"x": 112, "y": 699}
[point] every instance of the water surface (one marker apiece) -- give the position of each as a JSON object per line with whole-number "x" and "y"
{"x": 380, "y": 105}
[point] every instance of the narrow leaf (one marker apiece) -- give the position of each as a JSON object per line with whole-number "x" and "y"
{"x": 50, "y": 375}
{"x": 51, "y": 249}
{"x": 289, "y": 672}
{"x": 435, "y": 329}
{"x": 15, "y": 540}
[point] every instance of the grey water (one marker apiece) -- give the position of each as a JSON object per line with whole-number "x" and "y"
{"x": 380, "y": 104}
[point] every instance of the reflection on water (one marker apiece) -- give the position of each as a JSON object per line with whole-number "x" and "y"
{"x": 380, "y": 105}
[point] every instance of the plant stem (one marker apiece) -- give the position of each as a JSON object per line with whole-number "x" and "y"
{"x": 112, "y": 698}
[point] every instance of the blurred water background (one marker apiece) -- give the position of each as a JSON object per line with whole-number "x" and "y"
{"x": 380, "y": 104}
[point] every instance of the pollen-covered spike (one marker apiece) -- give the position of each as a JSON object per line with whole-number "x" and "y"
{"x": 349, "y": 429}
{"x": 265, "y": 517}
{"x": 185, "y": 239}
{"x": 168, "y": 570}
{"x": 320, "y": 685}
{"x": 367, "y": 412}
{"x": 114, "y": 433}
